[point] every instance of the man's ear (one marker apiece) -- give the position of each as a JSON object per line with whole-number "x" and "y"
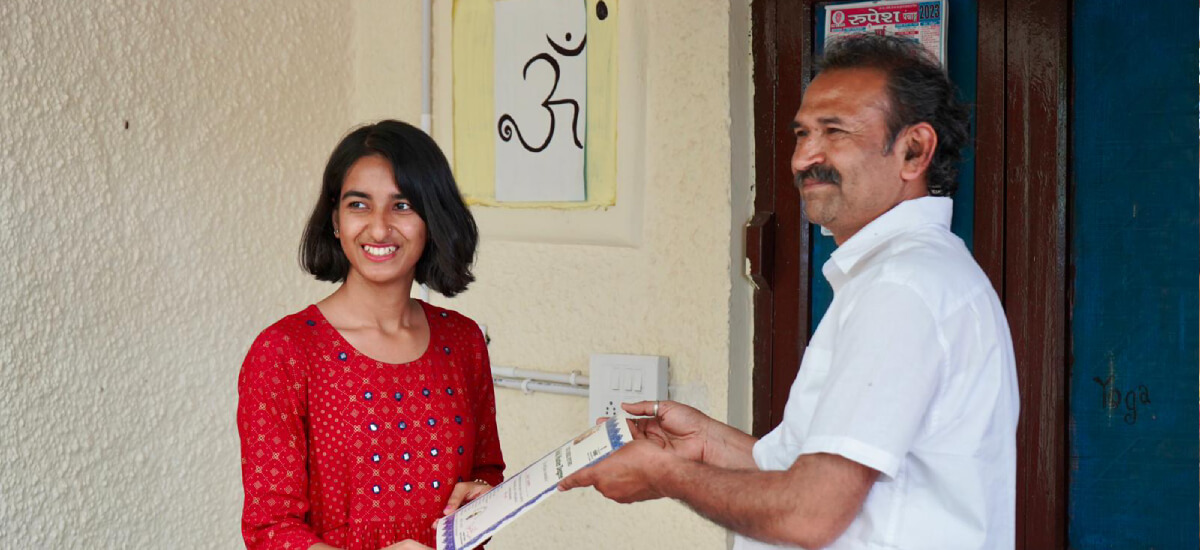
{"x": 917, "y": 143}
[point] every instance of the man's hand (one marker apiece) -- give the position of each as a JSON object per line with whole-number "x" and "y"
{"x": 627, "y": 475}
{"x": 690, "y": 434}
{"x": 678, "y": 427}
{"x": 463, "y": 493}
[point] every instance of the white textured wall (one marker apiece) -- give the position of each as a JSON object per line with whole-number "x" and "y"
{"x": 139, "y": 263}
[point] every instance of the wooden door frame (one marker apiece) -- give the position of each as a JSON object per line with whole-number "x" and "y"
{"x": 1020, "y": 224}
{"x": 1021, "y": 235}
{"x": 777, "y": 237}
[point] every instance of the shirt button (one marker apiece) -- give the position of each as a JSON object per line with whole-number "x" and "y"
{"x": 376, "y": 457}
{"x": 372, "y": 426}
{"x": 368, "y": 395}
{"x": 376, "y": 489}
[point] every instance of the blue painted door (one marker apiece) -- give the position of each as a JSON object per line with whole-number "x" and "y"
{"x": 1133, "y": 250}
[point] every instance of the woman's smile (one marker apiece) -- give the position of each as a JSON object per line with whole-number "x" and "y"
{"x": 379, "y": 252}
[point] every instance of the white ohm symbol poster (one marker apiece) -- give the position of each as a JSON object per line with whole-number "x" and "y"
{"x": 541, "y": 100}
{"x": 535, "y": 102}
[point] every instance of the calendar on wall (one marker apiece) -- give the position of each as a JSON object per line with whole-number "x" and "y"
{"x": 923, "y": 22}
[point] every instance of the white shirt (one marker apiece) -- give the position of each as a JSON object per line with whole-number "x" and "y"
{"x": 910, "y": 373}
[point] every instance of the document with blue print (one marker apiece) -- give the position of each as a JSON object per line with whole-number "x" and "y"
{"x": 478, "y": 520}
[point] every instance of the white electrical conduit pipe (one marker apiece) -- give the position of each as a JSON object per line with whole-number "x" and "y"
{"x": 426, "y": 87}
{"x": 426, "y": 63}
{"x": 530, "y": 381}
{"x": 528, "y": 385}
{"x": 575, "y": 378}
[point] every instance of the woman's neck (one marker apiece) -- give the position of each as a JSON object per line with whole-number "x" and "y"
{"x": 359, "y": 303}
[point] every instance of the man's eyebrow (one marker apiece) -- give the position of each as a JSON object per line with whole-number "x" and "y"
{"x": 823, "y": 121}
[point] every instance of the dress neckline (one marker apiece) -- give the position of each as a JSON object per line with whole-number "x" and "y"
{"x": 342, "y": 339}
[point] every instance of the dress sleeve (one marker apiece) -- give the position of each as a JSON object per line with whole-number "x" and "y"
{"x": 488, "y": 460}
{"x": 271, "y": 419}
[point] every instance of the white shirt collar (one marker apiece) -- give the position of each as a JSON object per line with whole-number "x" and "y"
{"x": 906, "y": 215}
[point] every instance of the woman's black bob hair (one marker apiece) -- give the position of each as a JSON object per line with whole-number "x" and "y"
{"x": 424, "y": 176}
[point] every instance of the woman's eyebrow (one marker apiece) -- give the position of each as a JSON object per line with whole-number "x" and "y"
{"x": 362, "y": 195}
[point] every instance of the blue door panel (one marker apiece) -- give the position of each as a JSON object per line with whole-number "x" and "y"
{"x": 1134, "y": 253}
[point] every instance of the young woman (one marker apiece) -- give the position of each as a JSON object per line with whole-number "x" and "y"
{"x": 369, "y": 415}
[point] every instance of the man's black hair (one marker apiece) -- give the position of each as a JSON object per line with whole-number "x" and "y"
{"x": 918, "y": 90}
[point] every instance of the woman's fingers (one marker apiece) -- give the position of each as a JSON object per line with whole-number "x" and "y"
{"x": 457, "y": 496}
{"x": 464, "y": 492}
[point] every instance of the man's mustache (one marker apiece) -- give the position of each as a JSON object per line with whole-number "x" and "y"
{"x": 819, "y": 172}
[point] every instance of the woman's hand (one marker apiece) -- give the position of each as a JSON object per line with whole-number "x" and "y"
{"x": 465, "y": 492}
{"x": 408, "y": 545}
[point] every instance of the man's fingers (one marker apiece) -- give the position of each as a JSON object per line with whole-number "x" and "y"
{"x": 582, "y": 478}
{"x": 636, "y": 428}
{"x": 641, "y": 408}
{"x": 569, "y": 482}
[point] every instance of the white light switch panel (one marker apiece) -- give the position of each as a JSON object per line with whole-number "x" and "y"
{"x": 616, "y": 379}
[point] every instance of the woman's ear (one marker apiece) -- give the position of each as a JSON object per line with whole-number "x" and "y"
{"x": 917, "y": 144}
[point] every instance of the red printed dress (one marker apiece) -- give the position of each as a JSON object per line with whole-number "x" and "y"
{"x": 343, "y": 449}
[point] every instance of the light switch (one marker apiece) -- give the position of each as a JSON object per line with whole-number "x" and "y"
{"x": 624, "y": 379}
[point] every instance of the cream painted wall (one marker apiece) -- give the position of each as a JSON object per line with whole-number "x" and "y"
{"x": 680, "y": 294}
{"x": 387, "y": 60}
{"x": 140, "y": 262}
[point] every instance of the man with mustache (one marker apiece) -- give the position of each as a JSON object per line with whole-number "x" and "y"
{"x": 900, "y": 429}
